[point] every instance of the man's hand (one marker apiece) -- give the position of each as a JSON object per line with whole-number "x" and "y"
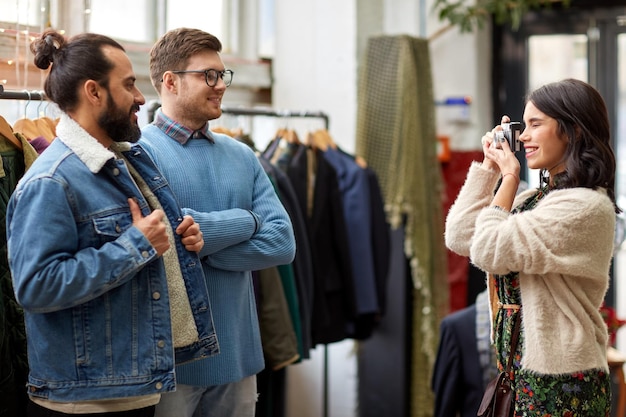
{"x": 191, "y": 235}
{"x": 152, "y": 226}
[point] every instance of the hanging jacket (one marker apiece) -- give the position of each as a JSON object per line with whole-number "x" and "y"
{"x": 13, "y": 357}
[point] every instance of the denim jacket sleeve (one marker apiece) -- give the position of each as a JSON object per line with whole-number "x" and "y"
{"x": 63, "y": 260}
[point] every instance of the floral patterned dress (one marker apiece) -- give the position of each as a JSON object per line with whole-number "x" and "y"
{"x": 579, "y": 394}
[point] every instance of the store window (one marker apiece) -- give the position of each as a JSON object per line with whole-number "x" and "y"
{"x": 122, "y": 19}
{"x": 621, "y": 120}
{"x": 145, "y": 20}
{"x": 544, "y": 66}
{"x": 210, "y": 16}
{"x": 266, "y": 29}
{"x": 28, "y": 13}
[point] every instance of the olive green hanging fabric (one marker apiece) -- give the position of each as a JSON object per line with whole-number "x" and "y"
{"x": 396, "y": 136}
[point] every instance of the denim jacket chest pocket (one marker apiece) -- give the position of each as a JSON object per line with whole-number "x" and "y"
{"x": 109, "y": 227}
{"x": 112, "y": 225}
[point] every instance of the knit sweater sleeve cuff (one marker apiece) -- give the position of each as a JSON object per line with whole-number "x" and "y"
{"x": 257, "y": 221}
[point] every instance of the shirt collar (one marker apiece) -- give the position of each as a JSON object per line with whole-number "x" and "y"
{"x": 178, "y": 132}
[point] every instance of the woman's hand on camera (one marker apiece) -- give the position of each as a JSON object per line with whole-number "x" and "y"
{"x": 497, "y": 134}
{"x": 499, "y": 152}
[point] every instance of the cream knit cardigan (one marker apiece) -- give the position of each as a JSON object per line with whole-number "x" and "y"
{"x": 562, "y": 249}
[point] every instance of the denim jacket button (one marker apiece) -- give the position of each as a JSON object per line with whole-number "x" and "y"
{"x": 145, "y": 254}
{"x": 159, "y": 385}
{"x": 156, "y": 295}
{"x": 161, "y": 343}
{"x": 116, "y": 171}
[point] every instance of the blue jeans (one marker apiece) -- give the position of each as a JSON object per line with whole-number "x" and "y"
{"x": 237, "y": 399}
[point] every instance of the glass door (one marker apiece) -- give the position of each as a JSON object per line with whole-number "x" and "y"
{"x": 544, "y": 66}
{"x": 620, "y": 185}
{"x": 620, "y": 136}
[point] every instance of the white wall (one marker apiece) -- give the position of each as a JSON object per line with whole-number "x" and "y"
{"x": 315, "y": 64}
{"x": 315, "y": 68}
{"x": 461, "y": 67}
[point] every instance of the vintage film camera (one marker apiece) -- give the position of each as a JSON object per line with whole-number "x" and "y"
{"x": 510, "y": 132}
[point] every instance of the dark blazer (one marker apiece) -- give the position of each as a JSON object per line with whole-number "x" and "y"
{"x": 457, "y": 380}
{"x": 333, "y": 305}
{"x": 302, "y": 263}
{"x": 381, "y": 236}
{"x": 354, "y": 189}
{"x": 13, "y": 357}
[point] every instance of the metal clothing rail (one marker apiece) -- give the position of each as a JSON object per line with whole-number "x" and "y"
{"x": 21, "y": 94}
{"x": 250, "y": 111}
{"x": 242, "y": 111}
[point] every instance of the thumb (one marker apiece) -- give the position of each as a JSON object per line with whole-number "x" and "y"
{"x": 134, "y": 210}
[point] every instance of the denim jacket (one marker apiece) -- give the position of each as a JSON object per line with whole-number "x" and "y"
{"x": 93, "y": 290}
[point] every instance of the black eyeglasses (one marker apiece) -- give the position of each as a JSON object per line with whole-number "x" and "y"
{"x": 211, "y": 76}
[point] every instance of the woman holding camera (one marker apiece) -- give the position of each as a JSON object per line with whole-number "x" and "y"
{"x": 547, "y": 251}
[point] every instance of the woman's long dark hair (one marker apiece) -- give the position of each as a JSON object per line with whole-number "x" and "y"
{"x": 583, "y": 119}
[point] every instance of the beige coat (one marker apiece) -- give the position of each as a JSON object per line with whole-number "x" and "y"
{"x": 562, "y": 249}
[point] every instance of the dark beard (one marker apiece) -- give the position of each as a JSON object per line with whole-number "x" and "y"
{"x": 117, "y": 124}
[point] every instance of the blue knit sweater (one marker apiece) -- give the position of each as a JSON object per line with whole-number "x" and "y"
{"x": 245, "y": 227}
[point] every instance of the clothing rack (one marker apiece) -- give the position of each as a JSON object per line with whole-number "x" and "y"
{"x": 246, "y": 111}
{"x": 21, "y": 95}
{"x": 242, "y": 111}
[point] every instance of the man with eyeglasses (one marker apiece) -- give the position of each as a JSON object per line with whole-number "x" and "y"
{"x": 244, "y": 224}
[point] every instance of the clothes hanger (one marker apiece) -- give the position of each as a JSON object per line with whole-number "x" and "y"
{"x": 52, "y": 123}
{"x": 45, "y": 125}
{"x": 7, "y": 132}
{"x": 26, "y": 126}
{"x": 280, "y": 133}
{"x": 43, "y": 129}
{"x": 360, "y": 161}
{"x": 320, "y": 139}
{"x": 323, "y": 133}
{"x": 292, "y": 137}
{"x": 312, "y": 142}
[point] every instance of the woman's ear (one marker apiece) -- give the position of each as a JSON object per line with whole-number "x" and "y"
{"x": 577, "y": 130}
